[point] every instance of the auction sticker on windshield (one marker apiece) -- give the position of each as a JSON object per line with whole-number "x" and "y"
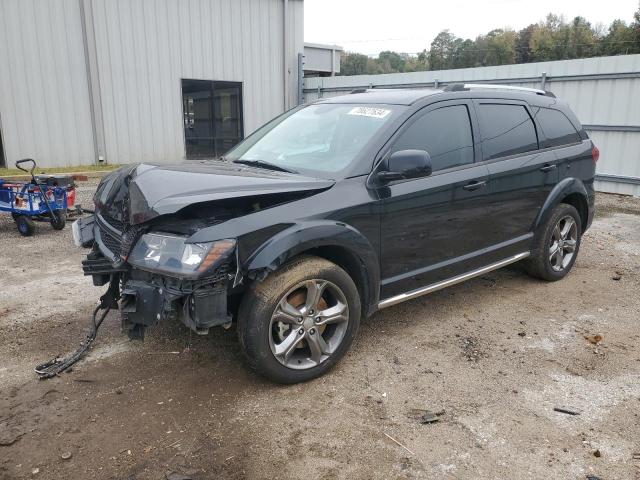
{"x": 370, "y": 112}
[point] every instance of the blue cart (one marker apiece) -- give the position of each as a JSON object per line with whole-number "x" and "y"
{"x": 33, "y": 202}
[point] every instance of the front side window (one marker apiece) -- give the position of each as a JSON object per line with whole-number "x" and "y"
{"x": 557, "y": 128}
{"x": 506, "y": 129}
{"x": 318, "y": 138}
{"x": 444, "y": 133}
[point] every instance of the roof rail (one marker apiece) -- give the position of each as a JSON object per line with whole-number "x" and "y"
{"x": 359, "y": 90}
{"x": 457, "y": 87}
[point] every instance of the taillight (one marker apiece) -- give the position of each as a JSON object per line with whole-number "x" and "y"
{"x": 595, "y": 153}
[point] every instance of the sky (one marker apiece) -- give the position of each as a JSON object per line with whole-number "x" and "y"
{"x": 372, "y": 26}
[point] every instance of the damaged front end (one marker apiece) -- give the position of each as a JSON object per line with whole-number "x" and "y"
{"x": 162, "y": 277}
{"x": 140, "y": 237}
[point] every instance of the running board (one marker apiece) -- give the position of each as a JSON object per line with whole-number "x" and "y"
{"x": 451, "y": 281}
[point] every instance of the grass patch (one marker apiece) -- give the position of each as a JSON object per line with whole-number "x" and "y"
{"x": 7, "y": 172}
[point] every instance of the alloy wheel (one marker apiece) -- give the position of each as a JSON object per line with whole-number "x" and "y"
{"x": 308, "y": 324}
{"x": 564, "y": 240}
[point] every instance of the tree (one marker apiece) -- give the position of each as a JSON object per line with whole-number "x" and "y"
{"x": 523, "y": 45}
{"x": 583, "y": 40}
{"x": 550, "y": 39}
{"x": 499, "y": 47}
{"x": 395, "y": 61}
{"x": 441, "y": 53}
{"x": 465, "y": 54}
{"x": 353, "y": 64}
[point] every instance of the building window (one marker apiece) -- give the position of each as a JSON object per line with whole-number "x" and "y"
{"x": 212, "y": 113}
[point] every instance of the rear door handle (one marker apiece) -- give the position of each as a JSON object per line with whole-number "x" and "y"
{"x": 474, "y": 185}
{"x": 547, "y": 168}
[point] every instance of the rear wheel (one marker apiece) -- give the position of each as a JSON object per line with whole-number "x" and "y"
{"x": 25, "y": 225}
{"x": 557, "y": 245}
{"x": 298, "y": 322}
{"x": 58, "y": 219}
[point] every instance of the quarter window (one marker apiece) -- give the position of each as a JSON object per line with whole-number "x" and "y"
{"x": 557, "y": 128}
{"x": 445, "y": 133}
{"x": 506, "y": 130}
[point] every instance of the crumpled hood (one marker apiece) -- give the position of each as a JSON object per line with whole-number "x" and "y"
{"x": 138, "y": 193}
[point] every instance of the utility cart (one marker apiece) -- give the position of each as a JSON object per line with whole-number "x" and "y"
{"x": 34, "y": 201}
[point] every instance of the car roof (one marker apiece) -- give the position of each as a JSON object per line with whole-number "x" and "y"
{"x": 391, "y": 96}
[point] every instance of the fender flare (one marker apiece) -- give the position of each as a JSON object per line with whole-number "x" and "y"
{"x": 564, "y": 188}
{"x": 304, "y": 236}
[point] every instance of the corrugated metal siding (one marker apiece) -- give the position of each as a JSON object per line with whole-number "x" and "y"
{"x": 296, "y": 46}
{"x": 145, "y": 48}
{"x": 44, "y": 98}
{"x": 596, "y": 101}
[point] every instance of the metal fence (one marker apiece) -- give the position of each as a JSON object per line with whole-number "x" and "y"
{"x": 604, "y": 92}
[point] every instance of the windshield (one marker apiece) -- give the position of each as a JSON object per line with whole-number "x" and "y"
{"x": 321, "y": 138}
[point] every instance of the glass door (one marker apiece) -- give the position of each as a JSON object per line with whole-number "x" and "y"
{"x": 212, "y": 115}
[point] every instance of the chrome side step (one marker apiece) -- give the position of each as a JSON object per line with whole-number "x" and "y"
{"x": 451, "y": 281}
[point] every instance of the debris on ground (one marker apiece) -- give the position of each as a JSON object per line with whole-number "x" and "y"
{"x": 593, "y": 477}
{"x": 568, "y": 411}
{"x": 394, "y": 441}
{"x": 66, "y": 455}
{"x": 636, "y": 456}
{"x": 472, "y": 350}
{"x": 597, "y": 454}
{"x": 617, "y": 275}
{"x": 594, "y": 339}
{"x": 425, "y": 416}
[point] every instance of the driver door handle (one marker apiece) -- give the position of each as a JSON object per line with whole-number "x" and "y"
{"x": 474, "y": 185}
{"x": 548, "y": 167}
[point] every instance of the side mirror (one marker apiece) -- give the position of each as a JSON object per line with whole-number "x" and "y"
{"x": 404, "y": 165}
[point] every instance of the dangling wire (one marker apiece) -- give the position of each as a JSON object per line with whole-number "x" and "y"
{"x": 57, "y": 365}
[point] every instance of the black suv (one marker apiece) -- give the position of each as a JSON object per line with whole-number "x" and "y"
{"x": 342, "y": 207}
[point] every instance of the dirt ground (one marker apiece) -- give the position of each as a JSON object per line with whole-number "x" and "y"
{"x": 492, "y": 357}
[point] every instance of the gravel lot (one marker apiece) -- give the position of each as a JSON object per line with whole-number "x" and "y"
{"x": 492, "y": 357}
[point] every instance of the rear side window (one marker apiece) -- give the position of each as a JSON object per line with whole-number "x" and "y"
{"x": 445, "y": 133}
{"x": 506, "y": 130}
{"x": 557, "y": 128}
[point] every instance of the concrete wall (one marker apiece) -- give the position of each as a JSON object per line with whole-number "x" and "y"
{"x": 604, "y": 92}
{"x": 86, "y": 78}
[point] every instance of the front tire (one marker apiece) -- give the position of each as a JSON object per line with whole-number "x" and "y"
{"x": 25, "y": 225}
{"x": 556, "y": 247}
{"x": 298, "y": 322}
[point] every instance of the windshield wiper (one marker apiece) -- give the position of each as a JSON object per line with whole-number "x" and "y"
{"x": 265, "y": 165}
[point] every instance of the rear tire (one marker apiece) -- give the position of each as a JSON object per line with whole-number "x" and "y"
{"x": 557, "y": 245}
{"x": 58, "y": 220}
{"x": 289, "y": 336}
{"x": 25, "y": 225}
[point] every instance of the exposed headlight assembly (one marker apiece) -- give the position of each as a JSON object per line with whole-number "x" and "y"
{"x": 171, "y": 254}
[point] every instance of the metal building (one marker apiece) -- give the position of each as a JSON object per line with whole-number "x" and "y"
{"x": 321, "y": 60}
{"x": 119, "y": 81}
